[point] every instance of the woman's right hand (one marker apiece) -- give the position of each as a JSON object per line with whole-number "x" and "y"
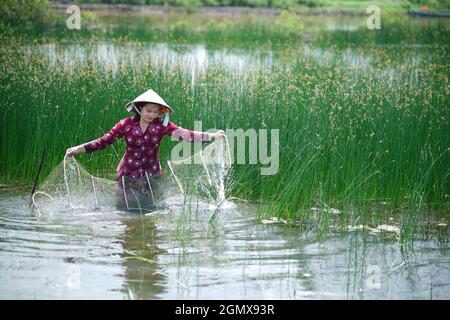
{"x": 75, "y": 150}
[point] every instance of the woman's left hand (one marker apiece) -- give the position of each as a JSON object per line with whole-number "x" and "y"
{"x": 218, "y": 134}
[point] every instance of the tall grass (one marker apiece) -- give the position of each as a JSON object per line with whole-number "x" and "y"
{"x": 357, "y": 127}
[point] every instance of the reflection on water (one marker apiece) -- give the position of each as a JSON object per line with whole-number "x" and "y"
{"x": 191, "y": 58}
{"x": 196, "y": 60}
{"x": 143, "y": 278}
{"x": 341, "y": 27}
{"x": 179, "y": 254}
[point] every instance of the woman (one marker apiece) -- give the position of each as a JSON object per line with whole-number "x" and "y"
{"x": 143, "y": 133}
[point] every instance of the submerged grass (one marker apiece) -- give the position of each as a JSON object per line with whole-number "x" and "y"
{"x": 358, "y": 127}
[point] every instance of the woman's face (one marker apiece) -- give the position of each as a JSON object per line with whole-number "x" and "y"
{"x": 150, "y": 112}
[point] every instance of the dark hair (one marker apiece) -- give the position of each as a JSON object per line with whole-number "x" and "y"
{"x": 137, "y": 116}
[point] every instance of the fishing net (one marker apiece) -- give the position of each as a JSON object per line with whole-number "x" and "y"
{"x": 205, "y": 173}
{"x": 69, "y": 187}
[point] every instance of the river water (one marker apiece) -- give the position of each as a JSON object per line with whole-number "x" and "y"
{"x": 180, "y": 255}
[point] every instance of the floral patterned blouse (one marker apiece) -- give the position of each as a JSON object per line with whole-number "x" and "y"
{"x": 142, "y": 148}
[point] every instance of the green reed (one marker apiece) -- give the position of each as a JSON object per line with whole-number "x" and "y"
{"x": 364, "y": 127}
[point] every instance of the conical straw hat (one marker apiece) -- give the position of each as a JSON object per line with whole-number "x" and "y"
{"x": 152, "y": 97}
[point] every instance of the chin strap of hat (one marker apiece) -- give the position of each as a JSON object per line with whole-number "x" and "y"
{"x": 137, "y": 110}
{"x": 166, "y": 119}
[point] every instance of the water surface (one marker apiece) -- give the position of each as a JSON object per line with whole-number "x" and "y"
{"x": 90, "y": 256}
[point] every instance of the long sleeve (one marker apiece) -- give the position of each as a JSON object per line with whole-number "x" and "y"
{"x": 101, "y": 143}
{"x": 180, "y": 133}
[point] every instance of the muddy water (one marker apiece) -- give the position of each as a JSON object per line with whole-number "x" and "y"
{"x": 181, "y": 254}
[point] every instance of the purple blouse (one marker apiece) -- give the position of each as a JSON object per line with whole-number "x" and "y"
{"x": 141, "y": 153}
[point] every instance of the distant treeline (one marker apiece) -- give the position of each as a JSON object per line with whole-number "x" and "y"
{"x": 198, "y": 3}
{"x": 34, "y": 12}
{"x": 22, "y": 12}
{"x": 274, "y": 3}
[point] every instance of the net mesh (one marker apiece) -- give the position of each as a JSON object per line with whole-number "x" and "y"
{"x": 69, "y": 187}
{"x": 204, "y": 173}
